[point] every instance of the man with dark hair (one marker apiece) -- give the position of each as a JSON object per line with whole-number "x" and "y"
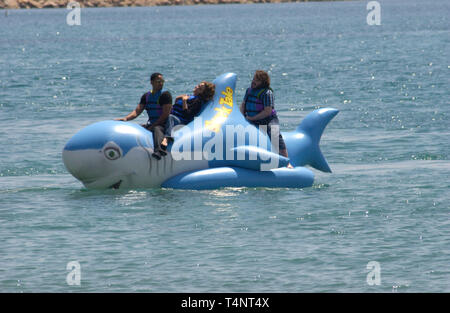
{"x": 158, "y": 104}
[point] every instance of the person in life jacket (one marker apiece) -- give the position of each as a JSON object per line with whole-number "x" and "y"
{"x": 186, "y": 107}
{"x": 258, "y": 108}
{"x": 158, "y": 104}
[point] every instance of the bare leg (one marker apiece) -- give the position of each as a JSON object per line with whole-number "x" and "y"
{"x": 285, "y": 154}
{"x": 273, "y": 129}
{"x": 164, "y": 143}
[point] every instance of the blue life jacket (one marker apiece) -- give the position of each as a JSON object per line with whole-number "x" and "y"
{"x": 178, "y": 111}
{"x": 154, "y": 110}
{"x": 253, "y": 101}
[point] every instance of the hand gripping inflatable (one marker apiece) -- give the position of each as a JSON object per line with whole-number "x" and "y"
{"x": 218, "y": 149}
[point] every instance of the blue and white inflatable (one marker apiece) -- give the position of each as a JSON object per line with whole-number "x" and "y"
{"x": 218, "y": 149}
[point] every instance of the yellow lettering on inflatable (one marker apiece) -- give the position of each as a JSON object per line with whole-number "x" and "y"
{"x": 226, "y": 102}
{"x": 228, "y": 99}
{"x": 223, "y": 111}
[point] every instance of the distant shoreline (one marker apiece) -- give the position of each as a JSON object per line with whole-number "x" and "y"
{"x": 30, "y": 4}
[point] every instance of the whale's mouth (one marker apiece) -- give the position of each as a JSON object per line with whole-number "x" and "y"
{"x": 108, "y": 182}
{"x": 116, "y": 185}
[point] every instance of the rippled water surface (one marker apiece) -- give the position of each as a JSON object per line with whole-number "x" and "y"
{"x": 387, "y": 199}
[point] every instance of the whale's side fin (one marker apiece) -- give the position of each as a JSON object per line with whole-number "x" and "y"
{"x": 308, "y": 152}
{"x": 260, "y": 156}
{"x": 253, "y": 158}
{"x": 219, "y": 177}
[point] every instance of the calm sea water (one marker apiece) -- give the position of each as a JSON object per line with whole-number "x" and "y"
{"x": 387, "y": 199}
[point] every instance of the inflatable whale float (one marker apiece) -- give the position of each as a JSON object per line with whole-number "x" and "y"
{"x": 218, "y": 149}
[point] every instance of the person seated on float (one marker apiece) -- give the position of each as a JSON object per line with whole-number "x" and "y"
{"x": 258, "y": 107}
{"x": 157, "y": 103}
{"x": 186, "y": 107}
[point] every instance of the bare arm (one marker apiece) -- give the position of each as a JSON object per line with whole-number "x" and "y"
{"x": 242, "y": 108}
{"x": 185, "y": 105}
{"x": 136, "y": 112}
{"x": 263, "y": 114}
{"x": 184, "y": 98}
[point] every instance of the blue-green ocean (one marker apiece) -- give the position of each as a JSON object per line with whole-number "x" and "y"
{"x": 387, "y": 200}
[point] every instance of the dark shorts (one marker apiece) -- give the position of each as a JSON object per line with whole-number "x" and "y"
{"x": 272, "y": 121}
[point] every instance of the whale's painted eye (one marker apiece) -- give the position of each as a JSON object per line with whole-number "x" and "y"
{"x": 112, "y": 153}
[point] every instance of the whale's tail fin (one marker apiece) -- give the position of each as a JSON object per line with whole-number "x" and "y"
{"x": 308, "y": 151}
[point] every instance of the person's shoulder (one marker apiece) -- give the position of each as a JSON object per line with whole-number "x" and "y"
{"x": 143, "y": 98}
{"x": 166, "y": 97}
{"x": 166, "y": 94}
{"x": 265, "y": 92}
{"x": 268, "y": 91}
